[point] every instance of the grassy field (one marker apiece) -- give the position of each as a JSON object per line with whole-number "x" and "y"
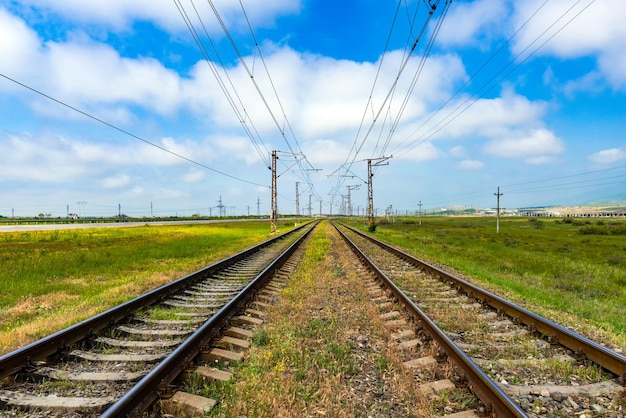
{"x": 567, "y": 269}
{"x": 52, "y": 279}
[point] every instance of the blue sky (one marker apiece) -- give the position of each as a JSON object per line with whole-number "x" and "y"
{"x": 114, "y": 104}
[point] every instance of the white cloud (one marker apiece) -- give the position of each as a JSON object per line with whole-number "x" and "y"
{"x": 194, "y": 176}
{"x": 489, "y": 117}
{"x": 20, "y": 43}
{"x": 458, "y": 151}
{"x": 426, "y": 151}
{"x": 325, "y": 151}
{"x": 116, "y": 182}
{"x": 470, "y": 165}
{"x": 55, "y": 158}
{"x": 472, "y": 23}
{"x": 534, "y": 146}
{"x": 119, "y": 14}
{"x": 597, "y": 30}
{"x": 608, "y": 156}
{"x": 539, "y": 160}
{"x": 239, "y": 148}
{"x": 88, "y": 73}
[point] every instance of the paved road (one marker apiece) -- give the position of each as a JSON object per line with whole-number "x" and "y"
{"x": 49, "y": 227}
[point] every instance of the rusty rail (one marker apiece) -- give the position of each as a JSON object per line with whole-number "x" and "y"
{"x": 148, "y": 389}
{"x": 599, "y": 354}
{"x": 495, "y": 400}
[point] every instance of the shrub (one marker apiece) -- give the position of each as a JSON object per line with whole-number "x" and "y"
{"x": 593, "y": 230}
{"x": 615, "y": 260}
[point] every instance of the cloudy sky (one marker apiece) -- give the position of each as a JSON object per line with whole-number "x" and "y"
{"x": 166, "y": 107}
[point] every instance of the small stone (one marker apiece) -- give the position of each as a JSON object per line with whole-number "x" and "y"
{"x": 545, "y": 393}
{"x": 558, "y": 396}
{"x": 572, "y": 404}
{"x": 597, "y": 408}
{"x": 523, "y": 403}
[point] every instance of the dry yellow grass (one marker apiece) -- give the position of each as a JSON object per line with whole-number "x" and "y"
{"x": 58, "y": 310}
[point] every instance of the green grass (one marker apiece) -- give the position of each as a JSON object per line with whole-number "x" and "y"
{"x": 66, "y": 275}
{"x": 563, "y": 265}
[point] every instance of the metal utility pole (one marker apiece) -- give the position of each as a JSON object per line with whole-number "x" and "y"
{"x": 370, "y": 193}
{"x": 258, "y": 206}
{"x": 310, "y": 207}
{"x": 420, "y": 213}
{"x": 274, "y": 210}
{"x": 350, "y": 188}
{"x": 498, "y": 194}
{"x": 320, "y": 208}
{"x": 119, "y": 211}
{"x": 297, "y": 202}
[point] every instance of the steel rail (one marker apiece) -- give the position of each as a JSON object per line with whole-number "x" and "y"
{"x": 16, "y": 360}
{"x": 599, "y": 354}
{"x": 495, "y": 400}
{"x": 147, "y": 390}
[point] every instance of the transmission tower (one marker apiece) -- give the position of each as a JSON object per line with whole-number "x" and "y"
{"x": 220, "y": 206}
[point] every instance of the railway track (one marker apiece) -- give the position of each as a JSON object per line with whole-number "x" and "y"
{"x": 120, "y": 362}
{"x": 455, "y": 335}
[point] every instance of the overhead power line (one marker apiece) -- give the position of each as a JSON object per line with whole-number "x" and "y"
{"x": 513, "y": 64}
{"x": 240, "y": 111}
{"x": 291, "y": 142}
{"x": 117, "y": 128}
{"x": 376, "y": 117}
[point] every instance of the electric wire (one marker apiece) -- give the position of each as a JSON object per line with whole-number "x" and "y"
{"x": 240, "y": 114}
{"x": 251, "y": 75}
{"x": 393, "y": 86}
{"x": 117, "y": 128}
{"x": 369, "y": 103}
{"x": 486, "y": 87}
{"x": 305, "y": 170}
{"x": 411, "y": 22}
{"x": 471, "y": 78}
{"x": 416, "y": 76}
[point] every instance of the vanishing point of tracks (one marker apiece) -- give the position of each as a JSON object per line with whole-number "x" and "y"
{"x": 453, "y": 336}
